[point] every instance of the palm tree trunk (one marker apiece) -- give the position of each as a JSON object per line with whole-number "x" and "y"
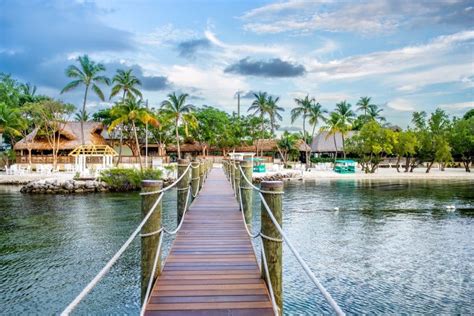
{"x": 138, "y": 144}
{"x": 343, "y": 149}
{"x": 177, "y": 138}
{"x": 335, "y": 146}
{"x": 82, "y": 116}
{"x": 120, "y": 147}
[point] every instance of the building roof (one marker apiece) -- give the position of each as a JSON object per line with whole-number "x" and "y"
{"x": 323, "y": 142}
{"x": 70, "y": 137}
{"x": 269, "y": 145}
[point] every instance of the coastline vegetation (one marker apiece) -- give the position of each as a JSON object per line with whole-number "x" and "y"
{"x": 429, "y": 138}
{"x": 122, "y": 179}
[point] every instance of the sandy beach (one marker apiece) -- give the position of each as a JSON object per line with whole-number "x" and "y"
{"x": 381, "y": 174}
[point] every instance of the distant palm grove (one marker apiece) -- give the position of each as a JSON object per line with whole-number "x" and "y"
{"x": 430, "y": 137}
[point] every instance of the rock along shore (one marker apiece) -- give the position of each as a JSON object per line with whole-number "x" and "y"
{"x": 56, "y": 186}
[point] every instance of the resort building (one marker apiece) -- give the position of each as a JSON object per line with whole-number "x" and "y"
{"x": 328, "y": 144}
{"x": 38, "y": 147}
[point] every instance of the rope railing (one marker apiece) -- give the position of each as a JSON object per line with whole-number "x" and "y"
{"x": 284, "y": 239}
{"x": 127, "y": 243}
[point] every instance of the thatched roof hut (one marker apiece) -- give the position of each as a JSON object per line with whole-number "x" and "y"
{"x": 196, "y": 147}
{"x": 70, "y": 137}
{"x": 323, "y": 142}
{"x": 270, "y": 145}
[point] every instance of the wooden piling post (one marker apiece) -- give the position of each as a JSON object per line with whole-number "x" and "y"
{"x": 201, "y": 173}
{"x": 272, "y": 193}
{"x": 246, "y": 191}
{"x": 232, "y": 173}
{"x": 237, "y": 180}
{"x": 182, "y": 187}
{"x": 195, "y": 176}
{"x": 149, "y": 243}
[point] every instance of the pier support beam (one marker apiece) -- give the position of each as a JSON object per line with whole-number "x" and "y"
{"x": 182, "y": 187}
{"x": 273, "y": 249}
{"x": 195, "y": 176}
{"x": 237, "y": 181}
{"x": 246, "y": 191}
{"x": 201, "y": 173}
{"x": 149, "y": 244}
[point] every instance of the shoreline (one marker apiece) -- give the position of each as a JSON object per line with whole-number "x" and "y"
{"x": 381, "y": 174}
{"x": 292, "y": 175}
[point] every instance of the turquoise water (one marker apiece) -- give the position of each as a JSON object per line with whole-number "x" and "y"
{"x": 391, "y": 248}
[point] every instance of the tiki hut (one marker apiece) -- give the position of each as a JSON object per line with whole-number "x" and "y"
{"x": 325, "y": 143}
{"x": 70, "y": 138}
{"x": 188, "y": 149}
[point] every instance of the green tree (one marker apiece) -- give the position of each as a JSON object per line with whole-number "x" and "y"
{"x": 87, "y": 74}
{"x": 259, "y": 106}
{"x": 315, "y": 116}
{"x": 364, "y": 104}
{"x": 10, "y": 91}
{"x": 405, "y": 145}
{"x": 303, "y": 107}
{"x": 287, "y": 146}
{"x": 461, "y": 139}
{"x": 133, "y": 111}
{"x": 82, "y": 116}
{"x": 176, "y": 106}
{"x": 11, "y": 122}
{"x": 374, "y": 113}
{"x": 344, "y": 117}
{"x": 126, "y": 82}
{"x": 52, "y": 117}
{"x": 469, "y": 114}
{"x": 371, "y": 143}
{"x": 273, "y": 111}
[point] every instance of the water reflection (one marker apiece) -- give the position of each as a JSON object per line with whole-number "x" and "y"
{"x": 391, "y": 248}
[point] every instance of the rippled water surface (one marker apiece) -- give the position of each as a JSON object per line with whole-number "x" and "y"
{"x": 391, "y": 248}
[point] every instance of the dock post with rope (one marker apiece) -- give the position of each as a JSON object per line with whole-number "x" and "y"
{"x": 272, "y": 247}
{"x": 182, "y": 188}
{"x": 148, "y": 244}
{"x": 246, "y": 191}
{"x": 195, "y": 176}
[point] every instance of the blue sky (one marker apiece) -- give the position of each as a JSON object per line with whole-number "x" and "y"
{"x": 407, "y": 55}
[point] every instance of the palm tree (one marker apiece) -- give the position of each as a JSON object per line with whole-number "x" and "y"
{"x": 302, "y": 108}
{"x": 11, "y": 122}
{"x": 273, "y": 110}
{"x": 127, "y": 82}
{"x": 132, "y": 111}
{"x": 87, "y": 75}
{"x": 374, "y": 113}
{"x": 259, "y": 106}
{"x": 176, "y": 106}
{"x": 315, "y": 115}
{"x": 364, "y": 105}
{"x": 332, "y": 127}
{"x": 345, "y": 117}
{"x": 82, "y": 116}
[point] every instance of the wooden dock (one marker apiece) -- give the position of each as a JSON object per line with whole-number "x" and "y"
{"x": 211, "y": 268}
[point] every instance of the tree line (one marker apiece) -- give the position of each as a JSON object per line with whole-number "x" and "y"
{"x": 429, "y": 138}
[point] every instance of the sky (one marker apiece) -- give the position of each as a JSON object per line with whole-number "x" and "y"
{"x": 407, "y": 55}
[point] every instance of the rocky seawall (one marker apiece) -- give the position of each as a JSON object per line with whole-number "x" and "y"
{"x": 64, "y": 187}
{"x": 278, "y": 177}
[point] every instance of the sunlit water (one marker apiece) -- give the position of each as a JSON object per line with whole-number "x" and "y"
{"x": 391, "y": 248}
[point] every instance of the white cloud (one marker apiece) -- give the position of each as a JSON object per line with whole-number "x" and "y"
{"x": 164, "y": 35}
{"x": 367, "y": 17}
{"x": 406, "y": 69}
{"x": 213, "y": 84}
{"x": 402, "y": 105}
{"x": 458, "y": 106}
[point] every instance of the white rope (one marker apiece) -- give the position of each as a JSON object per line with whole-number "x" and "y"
{"x": 153, "y": 271}
{"x": 270, "y": 287}
{"x": 308, "y": 271}
{"x": 270, "y": 238}
{"x": 172, "y": 232}
{"x": 170, "y": 186}
{"x": 110, "y": 263}
{"x": 245, "y": 222}
{"x": 255, "y": 187}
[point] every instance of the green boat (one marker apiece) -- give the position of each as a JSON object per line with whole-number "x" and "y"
{"x": 344, "y": 166}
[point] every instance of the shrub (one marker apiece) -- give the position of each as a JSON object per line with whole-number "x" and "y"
{"x": 120, "y": 179}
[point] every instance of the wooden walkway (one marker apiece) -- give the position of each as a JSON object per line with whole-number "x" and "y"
{"x": 211, "y": 268}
